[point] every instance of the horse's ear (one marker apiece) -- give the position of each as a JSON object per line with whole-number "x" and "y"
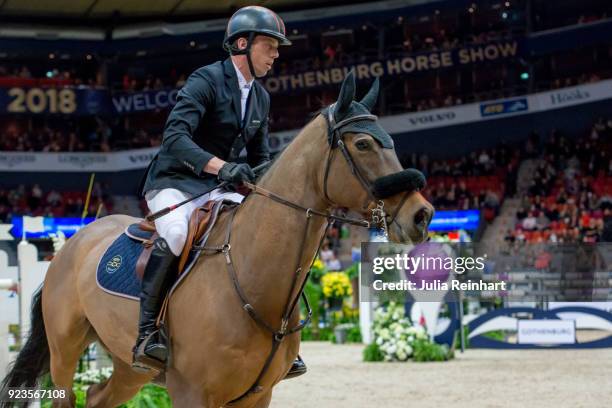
{"x": 347, "y": 94}
{"x": 370, "y": 99}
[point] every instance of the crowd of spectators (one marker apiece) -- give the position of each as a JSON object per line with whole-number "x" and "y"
{"x": 34, "y": 201}
{"x": 135, "y": 83}
{"x": 479, "y": 180}
{"x": 95, "y": 135}
{"x": 46, "y": 74}
{"x": 570, "y": 195}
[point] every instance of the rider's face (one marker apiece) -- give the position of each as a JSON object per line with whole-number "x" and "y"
{"x": 264, "y": 51}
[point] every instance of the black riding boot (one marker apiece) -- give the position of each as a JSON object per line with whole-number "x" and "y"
{"x": 297, "y": 368}
{"x": 151, "y": 350}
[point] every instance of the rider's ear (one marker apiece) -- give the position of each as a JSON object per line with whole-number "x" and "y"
{"x": 370, "y": 99}
{"x": 347, "y": 94}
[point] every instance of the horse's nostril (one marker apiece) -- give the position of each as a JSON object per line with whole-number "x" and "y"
{"x": 421, "y": 217}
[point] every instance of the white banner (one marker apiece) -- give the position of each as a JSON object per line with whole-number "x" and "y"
{"x": 607, "y": 306}
{"x": 77, "y": 162}
{"x": 5, "y": 235}
{"x": 519, "y": 105}
{"x": 549, "y": 331}
{"x": 475, "y": 112}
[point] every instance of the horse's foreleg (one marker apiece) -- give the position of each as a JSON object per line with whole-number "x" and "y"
{"x": 123, "y": 384}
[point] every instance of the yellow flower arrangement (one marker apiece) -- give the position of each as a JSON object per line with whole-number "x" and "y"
{"x": 336, "y": 284}
{"x": 318, "y": 264}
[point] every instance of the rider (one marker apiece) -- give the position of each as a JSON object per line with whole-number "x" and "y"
{"x": 219, "y": 111}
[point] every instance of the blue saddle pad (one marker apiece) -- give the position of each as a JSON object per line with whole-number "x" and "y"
{"x": 116, "y": 272}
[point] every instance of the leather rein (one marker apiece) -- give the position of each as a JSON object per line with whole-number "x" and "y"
{"x": 378, "y": 217}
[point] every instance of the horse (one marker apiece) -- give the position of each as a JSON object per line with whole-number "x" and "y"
{"x": 220, "y": 353}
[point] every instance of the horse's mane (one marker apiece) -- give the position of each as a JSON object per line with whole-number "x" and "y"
{"x": 269, "y": 170}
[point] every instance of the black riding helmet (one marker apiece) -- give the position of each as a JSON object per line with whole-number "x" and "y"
{"x": 251, "y": 21}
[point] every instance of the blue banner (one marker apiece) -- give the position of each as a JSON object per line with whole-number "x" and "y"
{"x": 125, "y": 102}
{"x": 68, "y": 226}
{"x": 70, "y": 101}
{"x": 406, "y": 64}
{"x": 61, "y": 101}
{"x": 455, "y": 220}
{"x": 504, "y": 107}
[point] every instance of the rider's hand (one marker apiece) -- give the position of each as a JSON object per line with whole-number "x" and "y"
{"x": 236, "y": 173}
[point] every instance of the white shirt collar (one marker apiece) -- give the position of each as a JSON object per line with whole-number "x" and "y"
{"x": 242, "y": 83}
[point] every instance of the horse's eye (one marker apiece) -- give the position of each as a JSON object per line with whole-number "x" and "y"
{"x": 362, "y": 145}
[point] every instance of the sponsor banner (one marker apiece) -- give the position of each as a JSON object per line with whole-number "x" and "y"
{"x": 50, "y": 225}
{"x": 76, "y": 162}
{"x": 455, "y": 220}
{"x": 408, "y": 64}
{"x": 412, "y": 122}
{"x": 538, "y": 102}
{"x": 75, "y": 101}
{"x": 504, "y": 107}
{"x": 550, "y": 331}
{"x": 125, "y": 102}
{"x": 576, "y": 95}
{"x": 62, "y": 101}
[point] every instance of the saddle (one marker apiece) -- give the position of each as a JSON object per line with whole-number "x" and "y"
{"x": 201, "y": 223}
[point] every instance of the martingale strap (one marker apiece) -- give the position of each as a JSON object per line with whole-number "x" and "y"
{"x": 278, "y": 335}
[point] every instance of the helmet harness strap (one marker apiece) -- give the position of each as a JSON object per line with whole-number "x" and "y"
{"x": 246, "y": 51}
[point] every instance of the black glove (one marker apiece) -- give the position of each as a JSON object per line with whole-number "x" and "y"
{"x": 236, "y": 173}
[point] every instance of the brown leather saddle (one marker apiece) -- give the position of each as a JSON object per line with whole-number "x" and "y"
{"x": 201, "y": 222}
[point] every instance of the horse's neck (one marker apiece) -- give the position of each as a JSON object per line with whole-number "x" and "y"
{"x": 269, "y": 235}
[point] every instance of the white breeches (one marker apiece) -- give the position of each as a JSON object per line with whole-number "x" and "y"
{"x": 173, "y": 226}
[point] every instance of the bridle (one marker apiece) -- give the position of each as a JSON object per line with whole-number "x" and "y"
{"x": 378, "y": 218}
{"x": 335, "y": 137}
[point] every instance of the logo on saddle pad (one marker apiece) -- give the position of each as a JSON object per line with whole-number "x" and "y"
{"x": 114, "y": 264}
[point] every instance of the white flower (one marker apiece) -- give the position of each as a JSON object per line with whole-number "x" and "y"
{"x": 385, "y": 334}
{"x": 402, "y": 356}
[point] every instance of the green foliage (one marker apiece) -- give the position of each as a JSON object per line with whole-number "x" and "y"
{"x": 499, "y": 335}
{"x": 306, "y": 334}
{"x": 427, "y": 351}
{"x": 353, "y": 270}
{"x": 354, "y": 335}
{"x": 466, "y": 333}
{"x": 315, "y": 295}
{"x": 150, "y": 396}
{"x": 372, "y": 353}
{"x": 326, "y": 334}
